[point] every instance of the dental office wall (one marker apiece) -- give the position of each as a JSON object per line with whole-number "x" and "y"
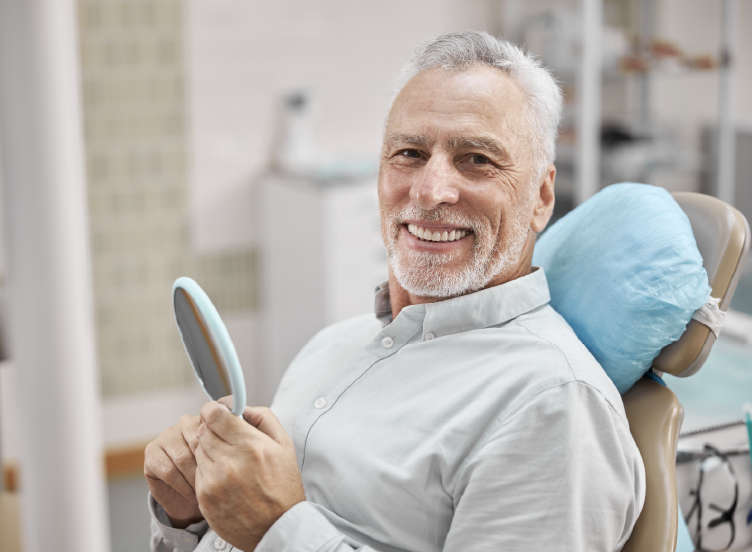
{"x": 179, "y": 110}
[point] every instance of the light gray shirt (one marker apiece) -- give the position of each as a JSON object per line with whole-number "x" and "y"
{"x": 478, "y": 423}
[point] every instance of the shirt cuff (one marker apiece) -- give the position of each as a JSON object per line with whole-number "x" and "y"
{"x": 303, "y": 528}
{"x": 180, "y": 539}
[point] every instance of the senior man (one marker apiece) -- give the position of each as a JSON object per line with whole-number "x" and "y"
{"x": 465, "y": 415}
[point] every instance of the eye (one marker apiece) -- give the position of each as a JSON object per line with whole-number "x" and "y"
{"x": 479, "y": 159}
{"x": 409, "y": 153}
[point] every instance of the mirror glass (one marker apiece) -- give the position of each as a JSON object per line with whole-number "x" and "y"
{"x": 208, "y": 343}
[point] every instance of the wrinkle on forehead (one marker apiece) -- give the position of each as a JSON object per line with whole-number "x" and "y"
{"x": 473, "y": 101}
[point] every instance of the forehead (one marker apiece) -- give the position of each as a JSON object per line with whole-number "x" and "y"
{"x": 477, "y": 99}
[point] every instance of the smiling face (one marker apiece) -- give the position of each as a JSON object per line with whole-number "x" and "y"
{"x": 460, "y": 198}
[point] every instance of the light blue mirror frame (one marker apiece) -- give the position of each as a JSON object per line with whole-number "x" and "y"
{"x": 220, "y": 337}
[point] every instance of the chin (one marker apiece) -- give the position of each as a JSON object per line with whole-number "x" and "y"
{"x": 438, "y": 281}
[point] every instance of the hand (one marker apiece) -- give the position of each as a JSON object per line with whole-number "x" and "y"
{"x": 170, "y": 471}
{"x": 247, "y": 474}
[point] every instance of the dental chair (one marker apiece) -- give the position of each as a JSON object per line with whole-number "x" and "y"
{"x": 655, "y": 415}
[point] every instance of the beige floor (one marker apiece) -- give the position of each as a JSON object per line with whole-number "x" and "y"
{"x": 9, "y": 523}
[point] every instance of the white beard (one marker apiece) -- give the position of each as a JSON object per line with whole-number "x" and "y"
{"x": 430, "y": 275}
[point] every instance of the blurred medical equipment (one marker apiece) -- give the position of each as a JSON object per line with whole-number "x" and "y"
{"x": 293, "y": 147}
{"x": 715, "y": 486}
{"x": 296, "y": 155}
{"x": 556, "y": 35}
{"x": 208, "y": 344}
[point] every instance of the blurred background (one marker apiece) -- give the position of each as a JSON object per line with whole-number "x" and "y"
{"x": 238, "y": 142}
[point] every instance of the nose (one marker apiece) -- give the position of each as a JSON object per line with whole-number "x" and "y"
{"x": 435, "y": 184}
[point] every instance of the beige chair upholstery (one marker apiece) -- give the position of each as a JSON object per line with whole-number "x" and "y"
{"x": 655, "y": 415}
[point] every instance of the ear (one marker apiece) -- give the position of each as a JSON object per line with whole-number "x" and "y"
{"x": 544, "y": 200}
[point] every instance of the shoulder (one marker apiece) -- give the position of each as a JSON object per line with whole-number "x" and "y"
{"x": 567, "y": 358}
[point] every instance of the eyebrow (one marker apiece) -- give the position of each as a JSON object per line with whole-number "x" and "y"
{"x": 409, "y": 139}
{"x": 485, "y": 143}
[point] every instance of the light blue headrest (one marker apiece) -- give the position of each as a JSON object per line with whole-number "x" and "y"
{"x": 624, "y": 270}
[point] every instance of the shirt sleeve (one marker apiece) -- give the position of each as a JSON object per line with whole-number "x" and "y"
{"x": 562, "y": 474}
{"x": 166, "y": 538}
{"x": 303, "y": 528}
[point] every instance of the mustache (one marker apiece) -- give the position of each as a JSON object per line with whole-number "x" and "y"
{"x": 441, "y": 214}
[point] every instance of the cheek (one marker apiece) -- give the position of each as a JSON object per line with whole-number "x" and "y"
{"x": 394, "y": 187}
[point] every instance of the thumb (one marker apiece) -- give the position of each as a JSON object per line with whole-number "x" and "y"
{"x": 263, "y": 419}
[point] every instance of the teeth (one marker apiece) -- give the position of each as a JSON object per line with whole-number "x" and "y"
{"x": 428, "y": 235}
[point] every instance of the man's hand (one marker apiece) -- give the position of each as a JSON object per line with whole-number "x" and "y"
{"x": 247, "y": 474}
{"x": 170, "y": 471}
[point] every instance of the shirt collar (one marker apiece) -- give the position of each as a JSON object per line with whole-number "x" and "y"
{"x": 481, "y": 309}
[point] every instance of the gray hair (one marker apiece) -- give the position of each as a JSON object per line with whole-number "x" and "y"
{"x": 458, "y": 51}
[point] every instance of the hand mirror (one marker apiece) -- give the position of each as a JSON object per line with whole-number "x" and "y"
{"x": 208, "y": 343}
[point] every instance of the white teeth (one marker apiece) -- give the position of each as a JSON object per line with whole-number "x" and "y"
{"x": 443, "y": 236}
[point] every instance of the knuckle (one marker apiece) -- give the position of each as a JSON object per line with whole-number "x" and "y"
{"x": 209, "y": 412}
{"x": 257, "y": 452}
{"x": 183, "y": 456}
{"x": 203, "y": 494}
{"x": 210, "y": 490}
{"x": 231, "y": 475}
{"x": 148, "y": 451}
{"x": 158, "y": 470}
{"x": 148, "y": 468}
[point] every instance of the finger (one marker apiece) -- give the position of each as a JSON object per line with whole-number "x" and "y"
{"x": 212, "y": 444}
{"x": 158, "y": 466}
{"x": 188, "y": 464}
{"x": 267, "y": 422}
{"x": 223, "y": 423}
{"x": 177, "y": 447}
{"x": 227, "y": 401}
{"x": 203, "y": 459}
{"x": 182, "y": 459}
{"x": 189, "y": 426}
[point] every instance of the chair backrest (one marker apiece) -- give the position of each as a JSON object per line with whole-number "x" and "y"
{"x": 655, "y": 415}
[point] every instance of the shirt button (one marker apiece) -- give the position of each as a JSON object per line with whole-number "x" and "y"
{"x": 429, "y": 336}
{"x": 319, "y": 403}
{"x": 219, "y": 544}
{"x": 387, "y": 342}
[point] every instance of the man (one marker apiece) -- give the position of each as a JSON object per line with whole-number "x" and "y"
{"x": 466, "y": 415}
